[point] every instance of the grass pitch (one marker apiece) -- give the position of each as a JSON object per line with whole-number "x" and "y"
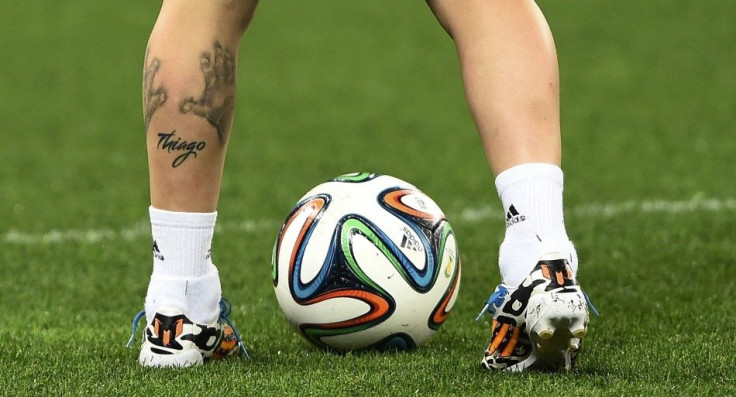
{"x": 328, "y": 87}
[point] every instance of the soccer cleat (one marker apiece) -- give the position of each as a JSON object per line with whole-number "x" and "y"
{"x": 172, "y": 340}
{"x": 541, "y": 322}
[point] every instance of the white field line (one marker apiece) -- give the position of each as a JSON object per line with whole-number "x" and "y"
{"x": 610, "y": 210}
{"x": 468, "y": 215}
{"x": 139, "y": 230}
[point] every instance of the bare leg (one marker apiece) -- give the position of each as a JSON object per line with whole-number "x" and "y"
{"x": 189, "y": 81}
{"x": 509, "y": 67}
{"x": 189, "y": 96}
{"x": 510, "y": 73}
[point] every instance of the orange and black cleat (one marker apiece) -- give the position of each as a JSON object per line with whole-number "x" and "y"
{"x": 540, "y": 323}
{"x": 172, "y": 340}
{"x": 509, "y": 346}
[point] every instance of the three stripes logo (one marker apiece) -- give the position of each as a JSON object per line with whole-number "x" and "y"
{"x": 156, "y": 252}
{"x": 513, "y": 217}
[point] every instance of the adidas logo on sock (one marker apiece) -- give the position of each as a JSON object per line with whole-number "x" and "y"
{"x": 156, "y": 252}
{"x": 513, "y": 217}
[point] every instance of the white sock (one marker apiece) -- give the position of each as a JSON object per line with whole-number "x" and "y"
{"x": 184, "y": 276}
{"x": 531, "y": 195}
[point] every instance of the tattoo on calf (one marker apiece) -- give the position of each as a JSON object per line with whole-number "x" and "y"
{"x": 169, "y": 142}
{"x": 217, "y": 101}
{"x": 153, "y": 98}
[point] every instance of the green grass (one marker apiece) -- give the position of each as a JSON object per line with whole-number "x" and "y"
{"x": 328, "y": 87}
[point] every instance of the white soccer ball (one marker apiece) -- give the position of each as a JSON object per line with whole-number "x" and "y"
{"x": 366, "y": 261}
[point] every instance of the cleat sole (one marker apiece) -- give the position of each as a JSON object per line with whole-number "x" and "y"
{"x": 557, "y": 323}
{"x": 184, "y": 359}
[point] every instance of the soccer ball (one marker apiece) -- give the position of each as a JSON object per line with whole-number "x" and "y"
{"x": 366, "y": 261}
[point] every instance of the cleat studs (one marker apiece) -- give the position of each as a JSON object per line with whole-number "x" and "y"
{"x": 573, "y": 347}
{"x": 568, "y": 361}
{"x": 546, "y": 334}
{"x": 579, "y": 333}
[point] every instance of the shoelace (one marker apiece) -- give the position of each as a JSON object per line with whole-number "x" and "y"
{"x": 496, "y": 299}
{"x": 590, "y": 304}
{"x": 225, "y": 309}
{"x": 136, "y": 319}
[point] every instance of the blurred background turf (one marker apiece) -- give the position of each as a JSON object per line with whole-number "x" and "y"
{"x": 328, "y": 87}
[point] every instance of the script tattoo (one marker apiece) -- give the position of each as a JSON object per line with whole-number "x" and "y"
{"x": 153, "y": 98}
{"x": 218, "y": 98}
{"x": 167, "y": 142}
